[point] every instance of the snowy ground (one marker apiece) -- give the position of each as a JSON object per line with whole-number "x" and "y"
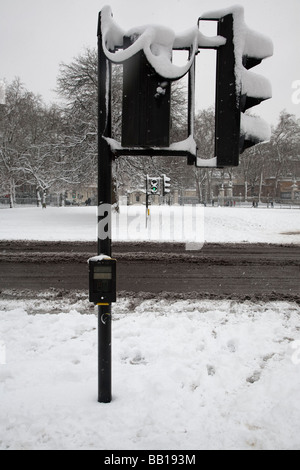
{"x": 187, "y": 375}
{"x": 213, "y": 225}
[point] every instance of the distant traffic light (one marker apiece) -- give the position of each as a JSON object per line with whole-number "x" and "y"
{"x": 166, "y": 185}
{"x": 152, "y": 185}
{"x": 238, "y": 90}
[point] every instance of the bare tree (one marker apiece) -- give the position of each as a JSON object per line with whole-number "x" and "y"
{"x": 36, "y": 147}
{"x": 205, "y": 139}
{"x": 284, "y": 147}
{"x": 22, "y": 123}
{"x": 277, "y": 158}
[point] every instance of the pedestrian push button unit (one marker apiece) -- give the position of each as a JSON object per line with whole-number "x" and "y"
{"x": 102, "y": 277}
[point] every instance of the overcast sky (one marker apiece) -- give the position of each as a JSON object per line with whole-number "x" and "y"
{"x": 37, "y": 35}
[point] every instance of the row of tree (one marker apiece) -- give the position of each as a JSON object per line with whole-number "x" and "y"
{"x": 54, "y": 148}
{"x": 41, "y": 145}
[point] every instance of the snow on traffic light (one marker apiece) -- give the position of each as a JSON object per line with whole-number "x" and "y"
{"x": 166, "y": 185}
{"x": 237, "y": 88}
{"x": 149, "y": 71}
{"x": 152, "y": 185}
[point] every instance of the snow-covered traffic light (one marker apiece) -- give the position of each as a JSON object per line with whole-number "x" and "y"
{"x": 147, "y": 100}
{"x": 166, "y": 185}
{"x": 152, "y": 185}
{"x": 238, "y": 89}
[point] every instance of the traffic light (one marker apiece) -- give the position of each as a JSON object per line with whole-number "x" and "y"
{"x": 147, "y": 100}
{"x": 237, "y": 89}
{"x": 152, "y": 185}
{"x": 166, "y": 185}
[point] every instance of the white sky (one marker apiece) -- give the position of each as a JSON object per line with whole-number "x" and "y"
{"x": 37, "y": 35}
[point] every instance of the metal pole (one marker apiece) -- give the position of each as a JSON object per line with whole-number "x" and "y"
{"x": 147, "y": 200}
{"x": 191, "y": 103}
{"x": 104, "y": 355}
{"x": 104, "y": 207}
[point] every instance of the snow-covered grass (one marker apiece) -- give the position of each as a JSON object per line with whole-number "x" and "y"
{"x": 186, "y": 375}
{"x": 213, "y": 225}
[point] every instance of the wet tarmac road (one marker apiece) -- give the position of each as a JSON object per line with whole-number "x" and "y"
{"x": 242, "y": 271}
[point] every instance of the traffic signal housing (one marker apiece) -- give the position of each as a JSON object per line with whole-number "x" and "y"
{"x": 166, "y": 185}
{"x": 238, "y": 90}
{"x": 152, "y": 185}
{"x": 147, "y": 100}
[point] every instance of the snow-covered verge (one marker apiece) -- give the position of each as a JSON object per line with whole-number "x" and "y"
{"x": 212, "y": 224}
{"x": 186, "y": 375}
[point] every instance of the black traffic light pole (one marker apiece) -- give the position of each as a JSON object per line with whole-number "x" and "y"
{"x": 105, "y": 158}
{"x": 147, "y": 201}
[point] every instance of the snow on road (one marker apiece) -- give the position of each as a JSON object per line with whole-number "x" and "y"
{"x": 186, "y": 375}
{"x": 182, "y": 224}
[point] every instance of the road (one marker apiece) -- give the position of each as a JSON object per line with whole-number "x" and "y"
{"x": 244, "y": 271}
